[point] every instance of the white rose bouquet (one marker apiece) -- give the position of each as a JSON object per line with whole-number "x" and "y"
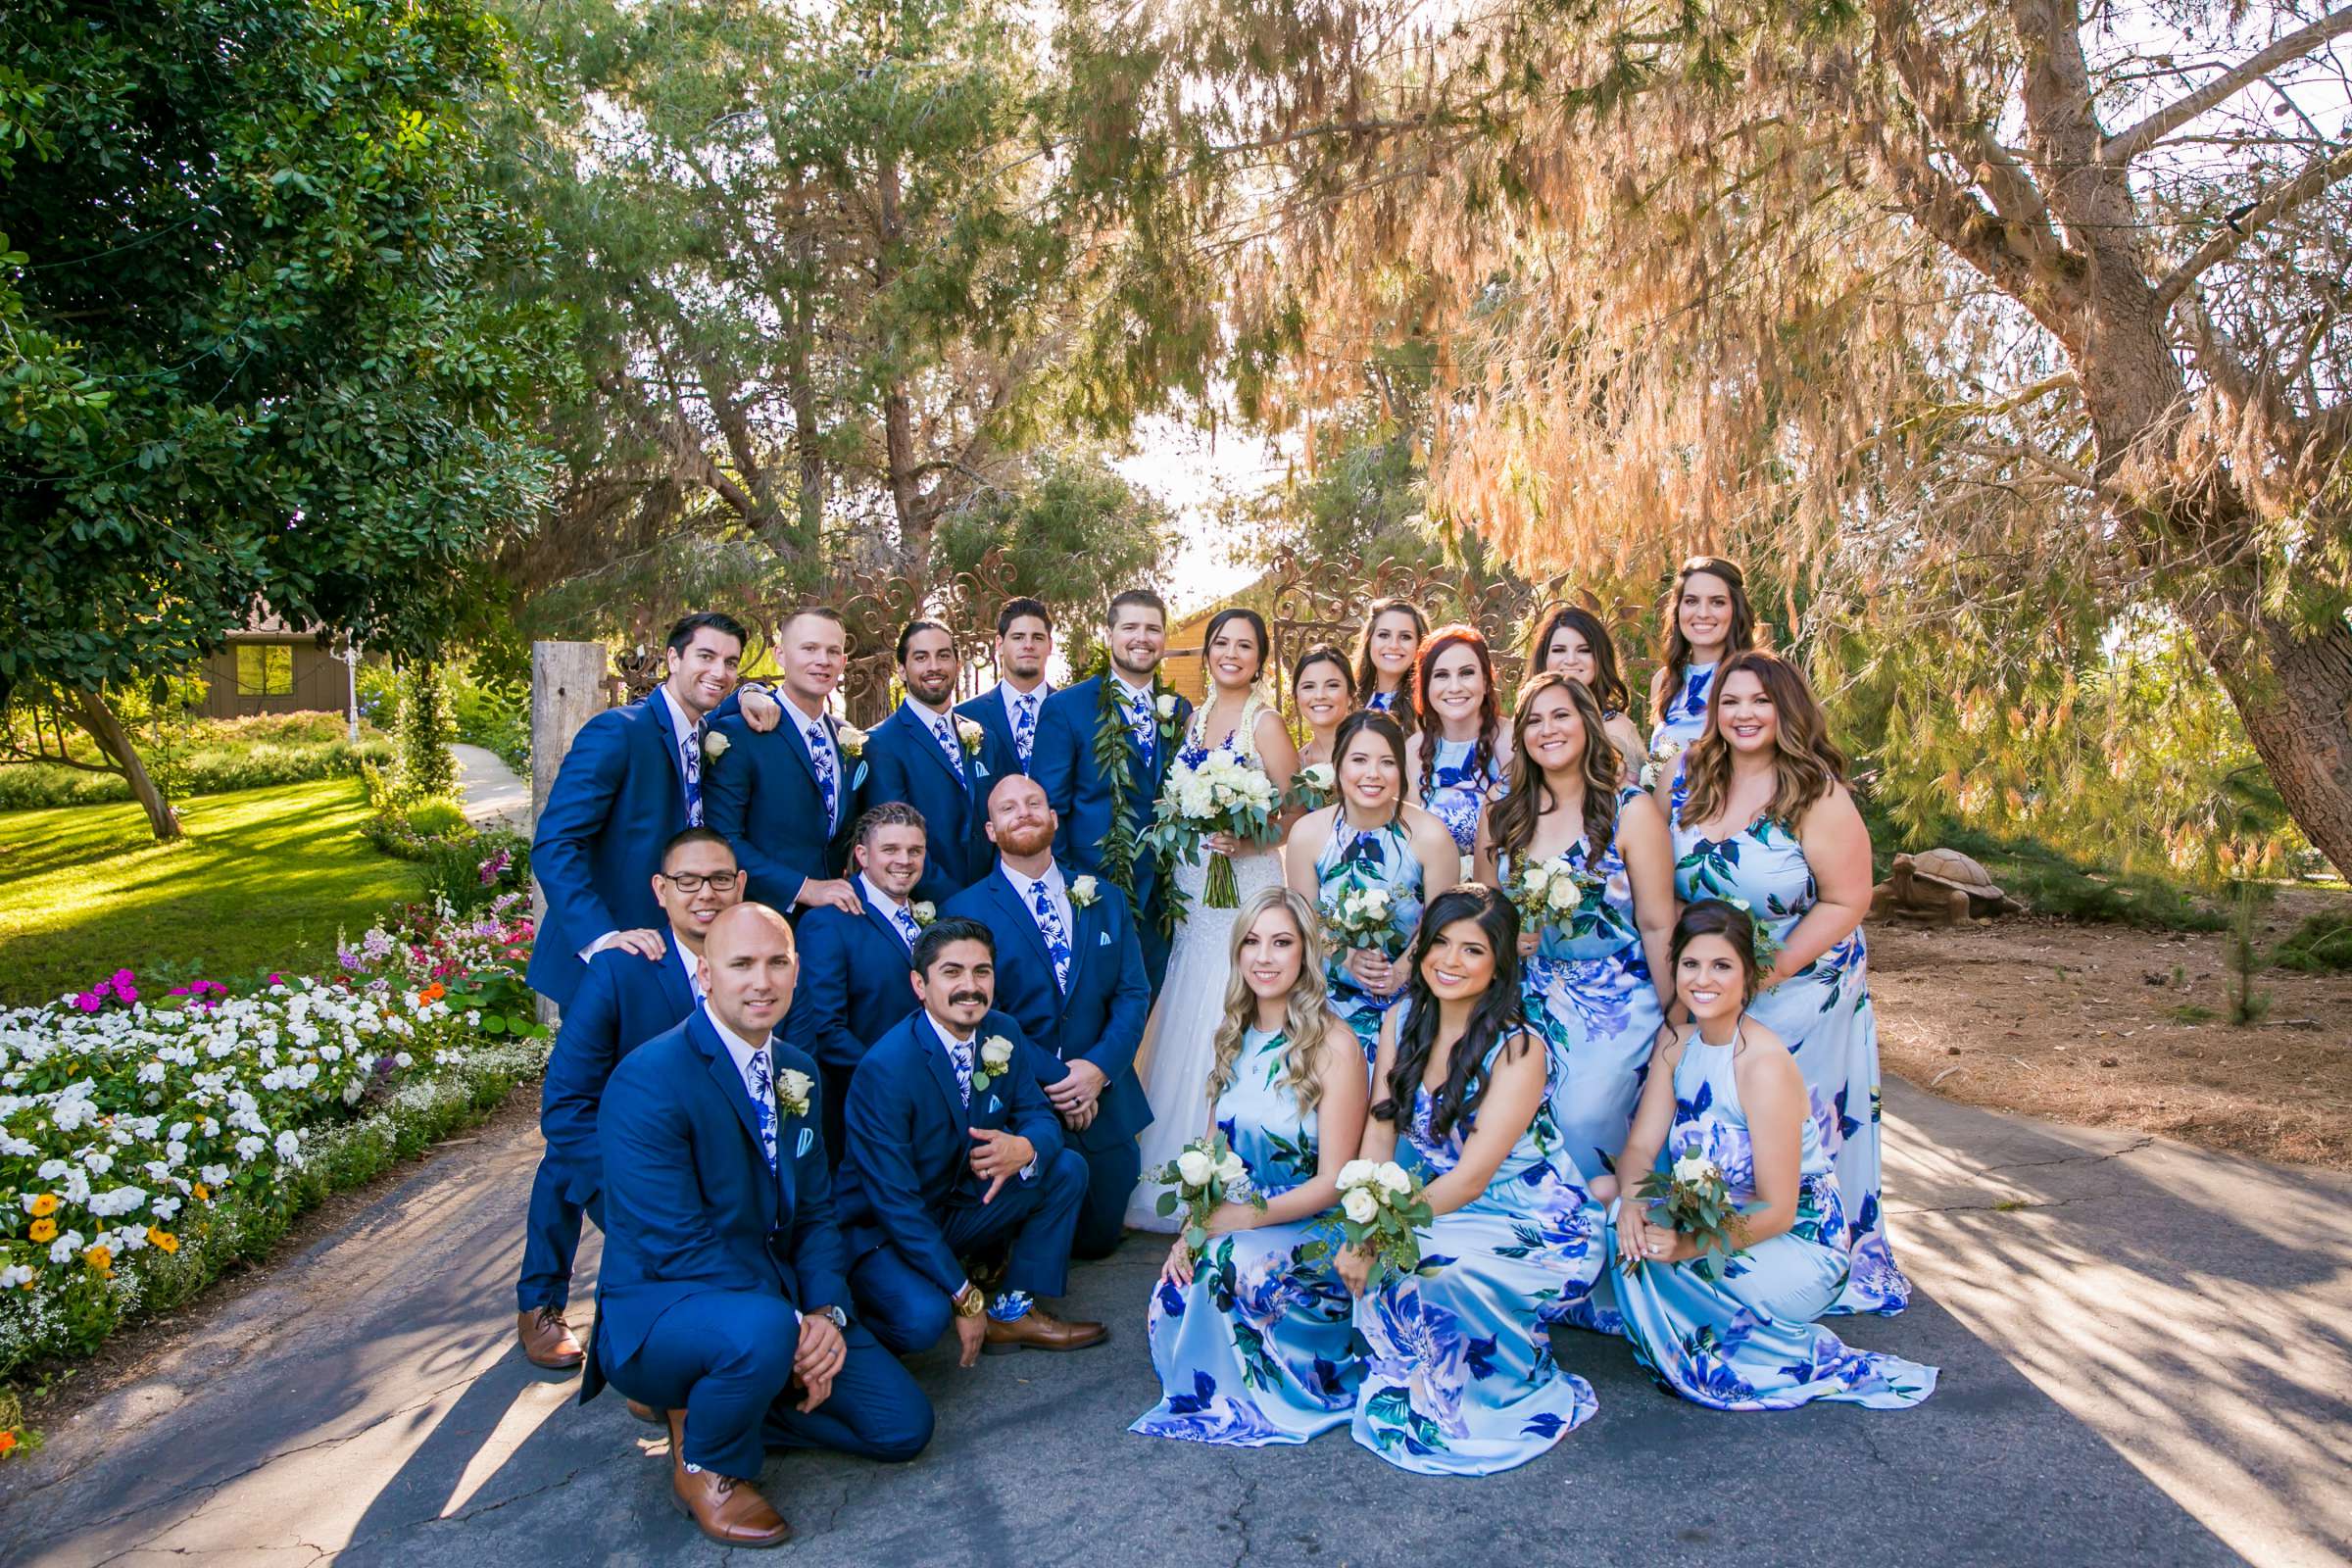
{"x": 1222, "y": 793}
{"x": 1662, "y": 758}
{"x": 1693, "y": 1198}
{"x": 1551, "y": 893}
{"x": 1360, "y": 917}
{"x": 1204, "y": 1174}
{"x": 1313, "y": 787}
{"x": 1381, "y": 1210}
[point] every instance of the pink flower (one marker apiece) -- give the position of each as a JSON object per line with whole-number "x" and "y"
{"x": 90, "y": 1001}
{"x": 272, "y": 980}
{"x": 122, "y": 979}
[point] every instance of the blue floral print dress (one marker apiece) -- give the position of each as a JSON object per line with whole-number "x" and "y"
{"x": 1824, "y": 1015}
{"x": 1460, "y": 791}
{"x": 1356, "y": 859}
{"x": 1459, "y": 1376}
{"x": 1739, "y": 1333}
{"x": 1686, "y": 717}
{"x": 1256, "y": 1351}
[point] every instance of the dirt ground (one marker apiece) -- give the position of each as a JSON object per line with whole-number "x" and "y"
{"x": 2105, "y": 1025}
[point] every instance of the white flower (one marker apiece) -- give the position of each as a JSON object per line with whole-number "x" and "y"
{"x": 1319, "y": 775}
{"x": 1393, "y": 1177}
{"x": 793, "y": 1088}
{"x": 214, "y": 1175}
{"x": 289, "y": 1147}
{"x": 248, "y": 1146}
{"x": 1195, "y": 1167}
{"x": 970, "y": 734}
{"x": 1232, "y": 1168}
{"x": 996, "y": 1053}
{"x": 1357, "y": 1173}
{"x": 1166, "y": 705}
{"x": 714, "y": 746}
{"x": 1696, "y": 1169}
{"x": 1534, "y": 881}
{"x": 1376, "y": 902}
{"x": 1360, "y": 1206}
{"x": 1565, "y": 893}
{"x": 923, "y": 910}
{"x": 850, "y": 739}
{"x": 1082, "y": 892}
{"x": 14, "y": 1276}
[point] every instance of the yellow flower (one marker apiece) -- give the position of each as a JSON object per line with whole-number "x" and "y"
{"x": 204, "y": 1193}
{"x": 161, "y": 1240}
{"x": 44, "y": 1206}
{"x": 100, "y": 1258}
{"x": 44, "y": 1230}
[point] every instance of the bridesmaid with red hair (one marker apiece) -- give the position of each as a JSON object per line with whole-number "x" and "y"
{"x": 1455, "y": 762}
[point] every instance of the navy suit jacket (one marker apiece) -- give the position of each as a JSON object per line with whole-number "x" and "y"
{"x": 1063, "y": 763}
{"x": 1100, "y": 1019}
{"x": 761, "y": 794}
{"x": 904, "y": 762}
{"x": 857, "y": 981}
{"x": 909, "y": 1158}
{"x": 624, "y": 1001}
{"x": 988, "y": 712}
{"x": 618, "y": 797}
{"x": 690, "y": 1204}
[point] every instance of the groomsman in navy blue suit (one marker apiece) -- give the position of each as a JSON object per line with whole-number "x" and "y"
{"x": 952, "y": 1150}
{"x": 858, "y": 970}
{"x": 631, "y": 781}
{"x": 720, "y": 1302}
{"x": 938, "y": 762}
{"x": 1070, "y": 971}
{"x": 624, "y": 1001}
{"x": 1008, "y": 709}
{"x": 786, "y": 798}
{"x": 1135, "y": 635}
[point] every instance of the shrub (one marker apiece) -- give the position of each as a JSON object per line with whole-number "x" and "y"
{"x": 215, "y": 756}
{"x": 493, "y": 713}
{"x": 2321, "y": 945}
{"x": 422, "y": 763}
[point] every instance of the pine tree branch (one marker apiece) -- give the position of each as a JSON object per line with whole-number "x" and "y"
{"x": 2129, "y": 144}
{"x": 2235, "y": 233}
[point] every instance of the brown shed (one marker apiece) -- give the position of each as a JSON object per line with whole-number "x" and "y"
{"x": 272, "y": 668}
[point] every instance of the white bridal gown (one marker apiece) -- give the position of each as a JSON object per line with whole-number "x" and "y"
{"x": 1180, "y": 1042}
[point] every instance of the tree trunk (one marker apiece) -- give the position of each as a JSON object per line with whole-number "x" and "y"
{"x": 107, "y": 730}
{"x": 2294, "y": 695}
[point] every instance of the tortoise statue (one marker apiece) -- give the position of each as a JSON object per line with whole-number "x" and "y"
{"x": 1940, "y": 885}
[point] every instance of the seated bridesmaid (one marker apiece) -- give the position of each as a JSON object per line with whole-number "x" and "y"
{"x": 1459, "y": 1376}
{"x": 1252, "y": 1342}
{"x": 1740, "y": 1332}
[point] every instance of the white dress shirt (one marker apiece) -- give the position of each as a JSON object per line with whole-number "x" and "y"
{"x": 876, "y": 899}
{"x": 1055, "y": 889}
{"x": 1014, "y": 696}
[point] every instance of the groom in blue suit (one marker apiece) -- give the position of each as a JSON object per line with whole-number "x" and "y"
{"x": 1070, "y": 972}
{"x": 1128, "y": 695}
{"x": 858, "y": 970}
{"x": 720, "y": 1301}
{"x": 938, "y": 762}
{"x": 624, "y": 1001}
{"x": 631, "y": 781}
{"x": 952, "y": 1150}
{"x": 785, "y": 799}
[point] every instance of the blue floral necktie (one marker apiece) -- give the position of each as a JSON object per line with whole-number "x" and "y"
{"x": 764, "y": 1101}
{"x": 1024, "y": 725}
{"x": 904, "y": 918}
{"x": 690, "y": 752}
{"x": 959, "y": 1056}
{"x": 1140, "y": 722}
{"x": 945, "y": 733}
{"x": 1056, "y": 935}
{"x": 820, "y": 757}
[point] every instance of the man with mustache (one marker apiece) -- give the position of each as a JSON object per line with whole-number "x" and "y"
{"x": 952, "y": 1149}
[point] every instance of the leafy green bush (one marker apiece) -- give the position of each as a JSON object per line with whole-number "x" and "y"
{"x": 2321, "y": 945}
{"x": 493, "y": 713}
{"x": 423, "y": 763}
{"x": 218, "y": 755}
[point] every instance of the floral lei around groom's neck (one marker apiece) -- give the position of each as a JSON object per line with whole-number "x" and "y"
{"x": 1119, "y": 848}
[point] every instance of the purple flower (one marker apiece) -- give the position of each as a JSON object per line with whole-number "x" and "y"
{"x": 349, "y": 959}
{"x": 495, "y": 867}
{"x": 90, "y": 1001}
{"x": 272, "y": 980}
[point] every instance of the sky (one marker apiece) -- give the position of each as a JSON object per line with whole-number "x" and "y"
{"x": 1191, "y": 472}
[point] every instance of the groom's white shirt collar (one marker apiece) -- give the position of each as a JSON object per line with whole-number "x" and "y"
{"x": 1133, "y": 690}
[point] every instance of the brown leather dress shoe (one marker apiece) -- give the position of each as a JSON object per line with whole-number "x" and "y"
{"x": 547, "y": 1340}
{"x": 1040, "y": 1330}
{"x": 730, "y": 1511}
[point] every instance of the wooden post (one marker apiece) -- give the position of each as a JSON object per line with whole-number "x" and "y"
{"x": 568, "y": 687}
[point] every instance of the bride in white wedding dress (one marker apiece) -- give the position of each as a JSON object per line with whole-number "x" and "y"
{"x": 1180, "y": 1042}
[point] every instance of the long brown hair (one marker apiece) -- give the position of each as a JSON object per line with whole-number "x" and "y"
{"x": 1739, "y": 640}
{"x": 1512, "y": 820}
{"x": 1367, "y": 678}
{"x": 1807, "y": 766}
{"x": 1490, "y": 708}
{"x": 1609, "y": 684}
{"x": 1303, "y": 1012}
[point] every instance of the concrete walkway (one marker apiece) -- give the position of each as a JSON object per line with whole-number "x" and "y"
{"x": 493, "y": 793}
{"x": 2143, "y": 1350}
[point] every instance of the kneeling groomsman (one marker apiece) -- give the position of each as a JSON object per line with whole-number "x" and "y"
{"x": 1071, "y": 970}
{"x": 856, "y": 969}
{"x": 625, "y": 1001}
{"x": 952, "y": 1149}
{"x": 719, "y": 1301}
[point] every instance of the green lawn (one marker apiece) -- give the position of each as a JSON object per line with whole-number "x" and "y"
{"x": 263, "y": 879}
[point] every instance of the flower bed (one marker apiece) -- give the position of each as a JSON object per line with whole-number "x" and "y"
{"x": 149, "y": 1140}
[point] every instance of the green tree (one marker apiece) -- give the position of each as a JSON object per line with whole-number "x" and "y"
{"x": 257, "y": 339}
{"x": 423, "y": 765}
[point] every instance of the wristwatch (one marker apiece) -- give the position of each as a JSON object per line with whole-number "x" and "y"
{"x": 971, "y": 1304}
{"x": 841, "y": 1319}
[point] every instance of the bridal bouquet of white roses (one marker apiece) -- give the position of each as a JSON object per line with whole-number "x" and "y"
{"x": 1222, "y": 793}
{"x": 1204, "y": 1174}
{"x": 1381, "y": 1207}
{"x": 1550, "y": 892}
{"x": 1693, "y": 1198}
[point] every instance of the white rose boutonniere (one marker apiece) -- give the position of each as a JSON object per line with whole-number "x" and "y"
{"x": 995, "y": 1055}
{"x": 1165, "y": 706}
{"x": 791, "y": 1092}
{"x": 923, "y": 910}
{"x": 850, "y": 739}
{"x": 1083, "y": 892}
{"x": 970, "y": 734}
{"x": 714, "y": 746}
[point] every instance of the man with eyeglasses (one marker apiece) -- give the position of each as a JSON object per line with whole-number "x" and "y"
{"x": 624, "y": 1001}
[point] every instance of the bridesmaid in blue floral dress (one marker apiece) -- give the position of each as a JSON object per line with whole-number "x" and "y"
{"x": 1589, "y": 972}
{"x": 1762, "y": 818}
{"x": 1384, "y": 653}
{"x": 1740, "y": 1331}
{"x": 1253, "y": 1340}
{"x": 1711, "y": 619}
{"x": 1571, "y": 641}
{"x": 1369, "y": 838}
{"x": 1458, "y": 1374}
{"x": 1458, "y": 756}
